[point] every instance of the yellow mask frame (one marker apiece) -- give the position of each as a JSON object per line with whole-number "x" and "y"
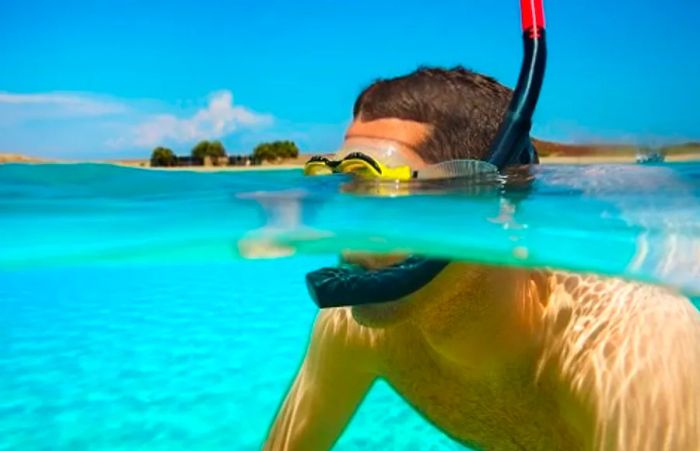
{"x": 358, "y": 164}
{"x": 366, "y": 167}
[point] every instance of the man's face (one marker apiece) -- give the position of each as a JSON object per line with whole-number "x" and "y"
{"x": 400, "y": 138}
{"x": 443, "y": 307}
{"x": 402, "y": 135}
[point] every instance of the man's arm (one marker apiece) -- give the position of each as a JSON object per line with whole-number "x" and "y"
{"x": 334, "y": 377}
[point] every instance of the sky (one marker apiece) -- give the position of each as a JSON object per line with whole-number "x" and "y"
{"x": 109, "y": 79}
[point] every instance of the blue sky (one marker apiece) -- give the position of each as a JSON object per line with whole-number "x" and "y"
{"x": 115, "y": 78}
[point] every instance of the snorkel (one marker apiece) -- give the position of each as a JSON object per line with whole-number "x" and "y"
{"x": 513, "y": 137}
{"x": 336, "y": 287}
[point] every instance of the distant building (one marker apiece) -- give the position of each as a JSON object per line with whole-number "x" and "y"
{"x": 242, "y": 160}
{"x": 239, "y": 160}
{"x": 231, "y": 160}
{"x": 189, "y": 161}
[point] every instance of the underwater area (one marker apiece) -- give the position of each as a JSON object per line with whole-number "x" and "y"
{"x": 168, "y": 309}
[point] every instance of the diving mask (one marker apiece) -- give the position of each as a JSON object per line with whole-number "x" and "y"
{"x": 385, "y": 162}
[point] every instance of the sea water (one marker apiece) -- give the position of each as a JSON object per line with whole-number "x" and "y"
{"x": 167, "y": 310}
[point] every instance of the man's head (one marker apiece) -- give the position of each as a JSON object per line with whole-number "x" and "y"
{"x": 432, "y": 114}
{"x": 425, "y": 117}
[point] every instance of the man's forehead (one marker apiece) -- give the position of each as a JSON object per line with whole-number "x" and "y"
{"x": 408, "y": 133}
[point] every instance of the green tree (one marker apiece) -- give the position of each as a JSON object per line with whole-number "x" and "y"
{"x": 263, "y": 152}
{"x": 199, "y": 151}
{"x": 162, "y": 156}
{"x": 212, "y": 149}
{"x": 216, "y": 149}
{"x": 288, "y": 149}
{"x": 275, "y": 150}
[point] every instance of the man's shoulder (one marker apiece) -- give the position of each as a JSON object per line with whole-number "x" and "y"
{"x": 597, "y": 290}
{"x": 572, "y": 281}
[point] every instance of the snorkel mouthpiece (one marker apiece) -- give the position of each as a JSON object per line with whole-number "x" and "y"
{"x": 336, "y": 287}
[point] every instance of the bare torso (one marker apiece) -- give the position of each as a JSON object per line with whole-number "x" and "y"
{"x": 506, "y": 409}
{"x": 613, "y": 366}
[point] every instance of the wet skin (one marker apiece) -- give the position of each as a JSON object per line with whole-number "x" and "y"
{"x": 505, "y": 358}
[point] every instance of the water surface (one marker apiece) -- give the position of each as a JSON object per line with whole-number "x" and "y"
{"x": 131, "y": 318}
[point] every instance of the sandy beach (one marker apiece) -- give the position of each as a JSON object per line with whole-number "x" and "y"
{"x": 624, "y": 158}
{"x": 675, "y": 158}
{"x": 20, "y": 158}
{"x": 620, "y": 158}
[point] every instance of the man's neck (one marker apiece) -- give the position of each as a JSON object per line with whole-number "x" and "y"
{"x": 483, "y": 317}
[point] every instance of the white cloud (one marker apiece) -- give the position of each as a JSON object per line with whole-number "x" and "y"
{"x": 219, "y": 118}
{"x": 74, "y": 123}
{"x": 57, "y": 105}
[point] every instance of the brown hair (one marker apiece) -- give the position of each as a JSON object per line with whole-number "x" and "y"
{"x": 465, "y": 109}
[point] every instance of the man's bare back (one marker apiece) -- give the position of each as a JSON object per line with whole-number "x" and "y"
{"x": 580, "y": 363}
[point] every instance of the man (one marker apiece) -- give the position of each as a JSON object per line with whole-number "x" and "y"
{"x": 498, "y": 358}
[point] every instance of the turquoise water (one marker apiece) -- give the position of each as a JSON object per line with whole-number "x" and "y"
{"x": 166, "y": 357}
{"x": 132, "y": 315}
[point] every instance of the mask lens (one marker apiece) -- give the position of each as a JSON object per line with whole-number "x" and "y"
{"x": 387, "y": 153}
{"x": 377, "y": 160}
{"x": 360, "y": 164}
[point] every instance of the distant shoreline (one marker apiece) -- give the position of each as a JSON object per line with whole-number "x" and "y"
{"x": 673, "y": 158}
{"x": 550, "y": 153}
{"x": 555, "y": 159}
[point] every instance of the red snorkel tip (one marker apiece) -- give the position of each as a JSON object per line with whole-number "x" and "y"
{"x": 533, "y": 17}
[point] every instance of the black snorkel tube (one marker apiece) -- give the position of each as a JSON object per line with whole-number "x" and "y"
{"x": 337, "y": 287}
{"x": 513, "y": 138}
